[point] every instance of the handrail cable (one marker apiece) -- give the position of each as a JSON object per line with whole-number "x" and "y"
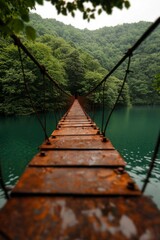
{"x": 18, "y": 42}
{"x": 103, "y": 108}
{"x": 29, "y": 95}
{"x": 120, "y": 92}
{"x": 128, "y": 53}
{"x": 152, "y": 163}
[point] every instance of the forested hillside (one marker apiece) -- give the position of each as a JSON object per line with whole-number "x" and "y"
{"x": 108, "y": 45}
{"x": 77, "y": 60}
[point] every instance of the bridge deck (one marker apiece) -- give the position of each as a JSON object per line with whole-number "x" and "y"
{"x": 77, "y": 188}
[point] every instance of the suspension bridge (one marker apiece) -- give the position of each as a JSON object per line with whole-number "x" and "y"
{"x": 77, "y": 187}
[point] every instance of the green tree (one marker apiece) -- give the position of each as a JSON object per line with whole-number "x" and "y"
{"x": 15, "y": 14}
{"x": 75, "y": 72}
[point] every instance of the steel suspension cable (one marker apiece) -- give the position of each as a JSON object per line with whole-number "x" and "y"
{"x": 18, "y": 42}
{"x": 120, "y": 92}
{"x": 128, "y": 53}
{"x": 29, "y": 95}
{"x": 152, "y": 163}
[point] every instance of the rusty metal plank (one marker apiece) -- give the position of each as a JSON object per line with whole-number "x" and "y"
{"x": 78, "y": 125}
{"x": 83, "y": 158}
{"x": 76, "y": 120}
{"x": 72, "y": 218}
{"x": 75, "y": 181}
{"x": 80, "y": 142}
{"x": 76, "y": 117}
{"x": 75, "y": 131}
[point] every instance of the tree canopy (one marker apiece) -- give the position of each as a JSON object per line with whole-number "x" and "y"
{"x": 14, "y": 15}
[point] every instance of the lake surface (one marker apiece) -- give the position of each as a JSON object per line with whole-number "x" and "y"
{"x": 133, "y": 132}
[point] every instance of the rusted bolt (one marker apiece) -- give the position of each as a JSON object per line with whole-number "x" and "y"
{"x": 9, "y": 188}
{"x": 131, "y": 185}
{"x": 48, "y": 142}
{"x": 104, "y": 139}
{"x": 121, "y": 170}
{"x": 42, "y": 154}
{"x": 98, "y": 132}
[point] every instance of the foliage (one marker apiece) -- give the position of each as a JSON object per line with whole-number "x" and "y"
{"x": 108, "y": 45}
{"x": 78, "y": 60}
{"x": 15, "y": 14}
{"x": 156, "y": 83}
{"x": 71, "y": 67}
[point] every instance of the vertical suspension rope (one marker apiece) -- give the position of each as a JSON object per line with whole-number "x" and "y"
{"x": 93, "y": 111}
{"x": 44, "y": 101}
{"x": 28, "y": 92}
{"x": 120, "y": 92}
{"x": 156, "y": 150}
{"x": 103, "y": 108}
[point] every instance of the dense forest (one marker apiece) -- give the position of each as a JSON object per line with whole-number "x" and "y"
{"x": 78, "y": 60}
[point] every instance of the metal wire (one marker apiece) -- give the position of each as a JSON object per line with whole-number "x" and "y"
{"x": 18, "y": 42}
{"x": 29, "y": 95}
{"x": 128, "y": 53}
{"x": 152, "y": 163}
{"x": 120, "y": 92}
{"x": 103, "y": 108}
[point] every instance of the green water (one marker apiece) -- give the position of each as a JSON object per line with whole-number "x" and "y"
{"x": 133, "y": 131}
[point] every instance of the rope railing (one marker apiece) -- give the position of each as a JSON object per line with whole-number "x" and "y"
{"x": 29, "y": 95}
{"x": 152, "y": 163}
{"x": 42, "y": 68}
{"x": 45, "y": 75}
{"x": 128, "y": 53}
{"x": 118, "y": 97}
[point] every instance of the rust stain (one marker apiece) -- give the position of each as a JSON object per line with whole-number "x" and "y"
{"x": 74, "y": 181}
{"x": 76, "y": 187}
{"x": 73, "y": 218}
{"x": 82, "y": 158}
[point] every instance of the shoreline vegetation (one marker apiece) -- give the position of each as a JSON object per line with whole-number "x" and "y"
{"x": 78, "y": 60}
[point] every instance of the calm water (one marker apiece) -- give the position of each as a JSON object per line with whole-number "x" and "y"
{"x": 133, "y": 131}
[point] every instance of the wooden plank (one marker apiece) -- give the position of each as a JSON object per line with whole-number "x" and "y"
{"x": 74, "y": 218}
{"x": 68, "y": 181}
{"x": 108, "y": 158}
{"x": 75, "y": 131}
{"x": 62, "y": 193}
{"x": 88, "y": 142}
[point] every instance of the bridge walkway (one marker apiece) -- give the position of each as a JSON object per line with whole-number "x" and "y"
{"x": 77, "y": 188}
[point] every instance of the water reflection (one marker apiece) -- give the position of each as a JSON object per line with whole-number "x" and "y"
{"x": 133, "y": 131}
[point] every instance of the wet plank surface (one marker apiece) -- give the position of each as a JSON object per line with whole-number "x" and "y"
{"x": 87, "y": 142}
{"x": 68, "y": 181}
{"x": 83, "y": 158}
{"x": 76, "y": 131}
{"x": 76, "y": 188}
{"x": 73, "y": 218}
